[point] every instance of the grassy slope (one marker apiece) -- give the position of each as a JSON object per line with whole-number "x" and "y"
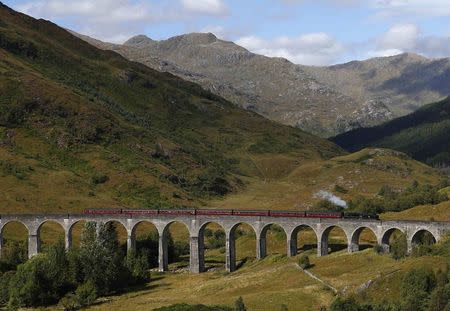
{"x": 290, "y": 185}
{"x": 422, "y": 134}
{"x": 70, "y": 112}
{"x": 439, "y": 212}
{"x": 275, "y": 281}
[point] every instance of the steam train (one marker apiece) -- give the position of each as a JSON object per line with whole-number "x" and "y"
{"x": 232, "y": 212}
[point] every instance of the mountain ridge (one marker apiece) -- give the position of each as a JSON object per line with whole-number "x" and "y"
{"x": 298, "y": 95}
{"x": 422, "y": 134}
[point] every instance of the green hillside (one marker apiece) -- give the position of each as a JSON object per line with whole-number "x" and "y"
{"x": 84, "y": 127}
{"x": 423, "y": 134}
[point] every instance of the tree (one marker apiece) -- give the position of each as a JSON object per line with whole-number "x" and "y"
{"x": 239, "y": 304}
{"x": 399, "y": 247}
{"x": 416, "y": 287}
{"x": 303, "y": 262}
{"x": 341, "y": 304}
{"x": 101, "y": 259}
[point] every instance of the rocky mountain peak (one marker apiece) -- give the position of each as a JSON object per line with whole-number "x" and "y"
{"x": 140, "y": 40}
{"x": 195, "y": 38}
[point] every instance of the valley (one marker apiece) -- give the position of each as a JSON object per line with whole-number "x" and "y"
{"x": 196, "y": 122}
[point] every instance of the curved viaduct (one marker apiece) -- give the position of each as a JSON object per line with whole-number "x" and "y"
{"x": 260, "y": 224}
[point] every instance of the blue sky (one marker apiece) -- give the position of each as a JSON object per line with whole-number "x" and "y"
{"x": 312, "y": 32}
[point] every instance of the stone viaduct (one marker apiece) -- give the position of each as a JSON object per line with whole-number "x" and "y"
{"x": 260, "y": 224}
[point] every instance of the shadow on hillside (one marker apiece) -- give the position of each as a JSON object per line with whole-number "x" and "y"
{"x": 365, "y": 246}
{"x": 336, "y": 247}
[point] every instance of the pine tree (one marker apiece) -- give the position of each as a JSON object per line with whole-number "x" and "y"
{"x": 240, "y": 306}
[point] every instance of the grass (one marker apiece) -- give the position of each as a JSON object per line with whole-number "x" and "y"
{"x": 108, "y": 132}
{"x": 276, "y": 280}
{"x": 293, "y": 184}
{"x": 439, "y": 212}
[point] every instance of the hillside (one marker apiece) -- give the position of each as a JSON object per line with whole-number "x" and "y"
{"x": 402, "y": 82}
{"x": 292, "y": 185}
{"x": 82, "y": 127}
{"x": 422, "y": 134}
{"x": 361, "y": 93}
{"x": 275, "y": 281}
{"x": 295, "y": 99}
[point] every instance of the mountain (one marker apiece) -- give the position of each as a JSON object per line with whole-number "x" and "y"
{"x": 423, "y": 134}
{"x": 322, "y": 100}
{"x": 272, "y": 87}
{"x": 83, "y": 127}
{"x": 402, "y": 82}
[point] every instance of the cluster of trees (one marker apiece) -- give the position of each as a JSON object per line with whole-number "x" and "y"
{"x": 422, "y": 289}
{"x": 76, "y": 277}
{"x": 389, "y": 199}
{"x": 239, "y": 305}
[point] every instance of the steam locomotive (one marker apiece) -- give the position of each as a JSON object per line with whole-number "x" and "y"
{"x": 231, "y": 212}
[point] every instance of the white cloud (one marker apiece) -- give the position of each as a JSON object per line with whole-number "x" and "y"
{"x": 411, "y": 7}
{"x": 309, "y": 49}
{"x": 209, "y": 7}
{"x": 118, "y": 20}
{"x": 109, "y": 20}
{"x": 401, "y": 37}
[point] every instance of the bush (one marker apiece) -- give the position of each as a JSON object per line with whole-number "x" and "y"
{"x": 99, "y": 179}
{"x": 378, "y": 249}
{"x": 139, "y": 266}
{"x": 186, "y": 307}
{"x": 399, "y": 247}
{"x": 97, "y": 267}
{"x": 86, "y": 294}
{"x": 303, "y": 262}
{"x": 69, "y": 302}
{"x": 341, "y": 304}
{"x": 416, "y": 287}
{"x": 340, "y": 189}
{"x": 239, "y": 305}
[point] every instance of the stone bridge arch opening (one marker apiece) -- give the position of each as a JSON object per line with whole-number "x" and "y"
{"x": 272, "y": 240}
{"x": 333, "y": 239}
{"x": 422, "y": 237}
{"x": 121, "y": 233}
{"x": 303, "y": 238}
{"x": 14, "y": 242}
{"x": 391, "y": 236}
{"x": 175, "y": 241}
{"x": 362, "y": 238}
{"x": 75, "y": 234}
{"x": 242, "y": 246}
{"x": 211, "y": 243}
{"x": 145, "y": 241}
{"x": 49, "y": 233}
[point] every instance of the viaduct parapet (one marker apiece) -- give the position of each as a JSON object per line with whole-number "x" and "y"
{"x": 196, "y": 224}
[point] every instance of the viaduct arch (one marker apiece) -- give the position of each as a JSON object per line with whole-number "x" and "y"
{"x": 195, "y": 225}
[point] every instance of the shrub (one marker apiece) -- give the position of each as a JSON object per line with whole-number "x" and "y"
{"x": 99, "y": 179}
{"x": 69, "y": 302}
{"x": 341, "y": 304}
{"x": 138, "y": 264}
{"x": 186, "y": 307}
{"x": 340, "y": 189}
{"x": 86, "y": 293}
{"x": 416, "y": 287}
{"x": 239, "y": 305}
{"x": 303, "y": 262}
{"x": 399, "y": 247}
{"x": 378, "y": 249}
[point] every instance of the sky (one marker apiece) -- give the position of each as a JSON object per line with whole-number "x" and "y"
{"x": 309, "y": 32}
